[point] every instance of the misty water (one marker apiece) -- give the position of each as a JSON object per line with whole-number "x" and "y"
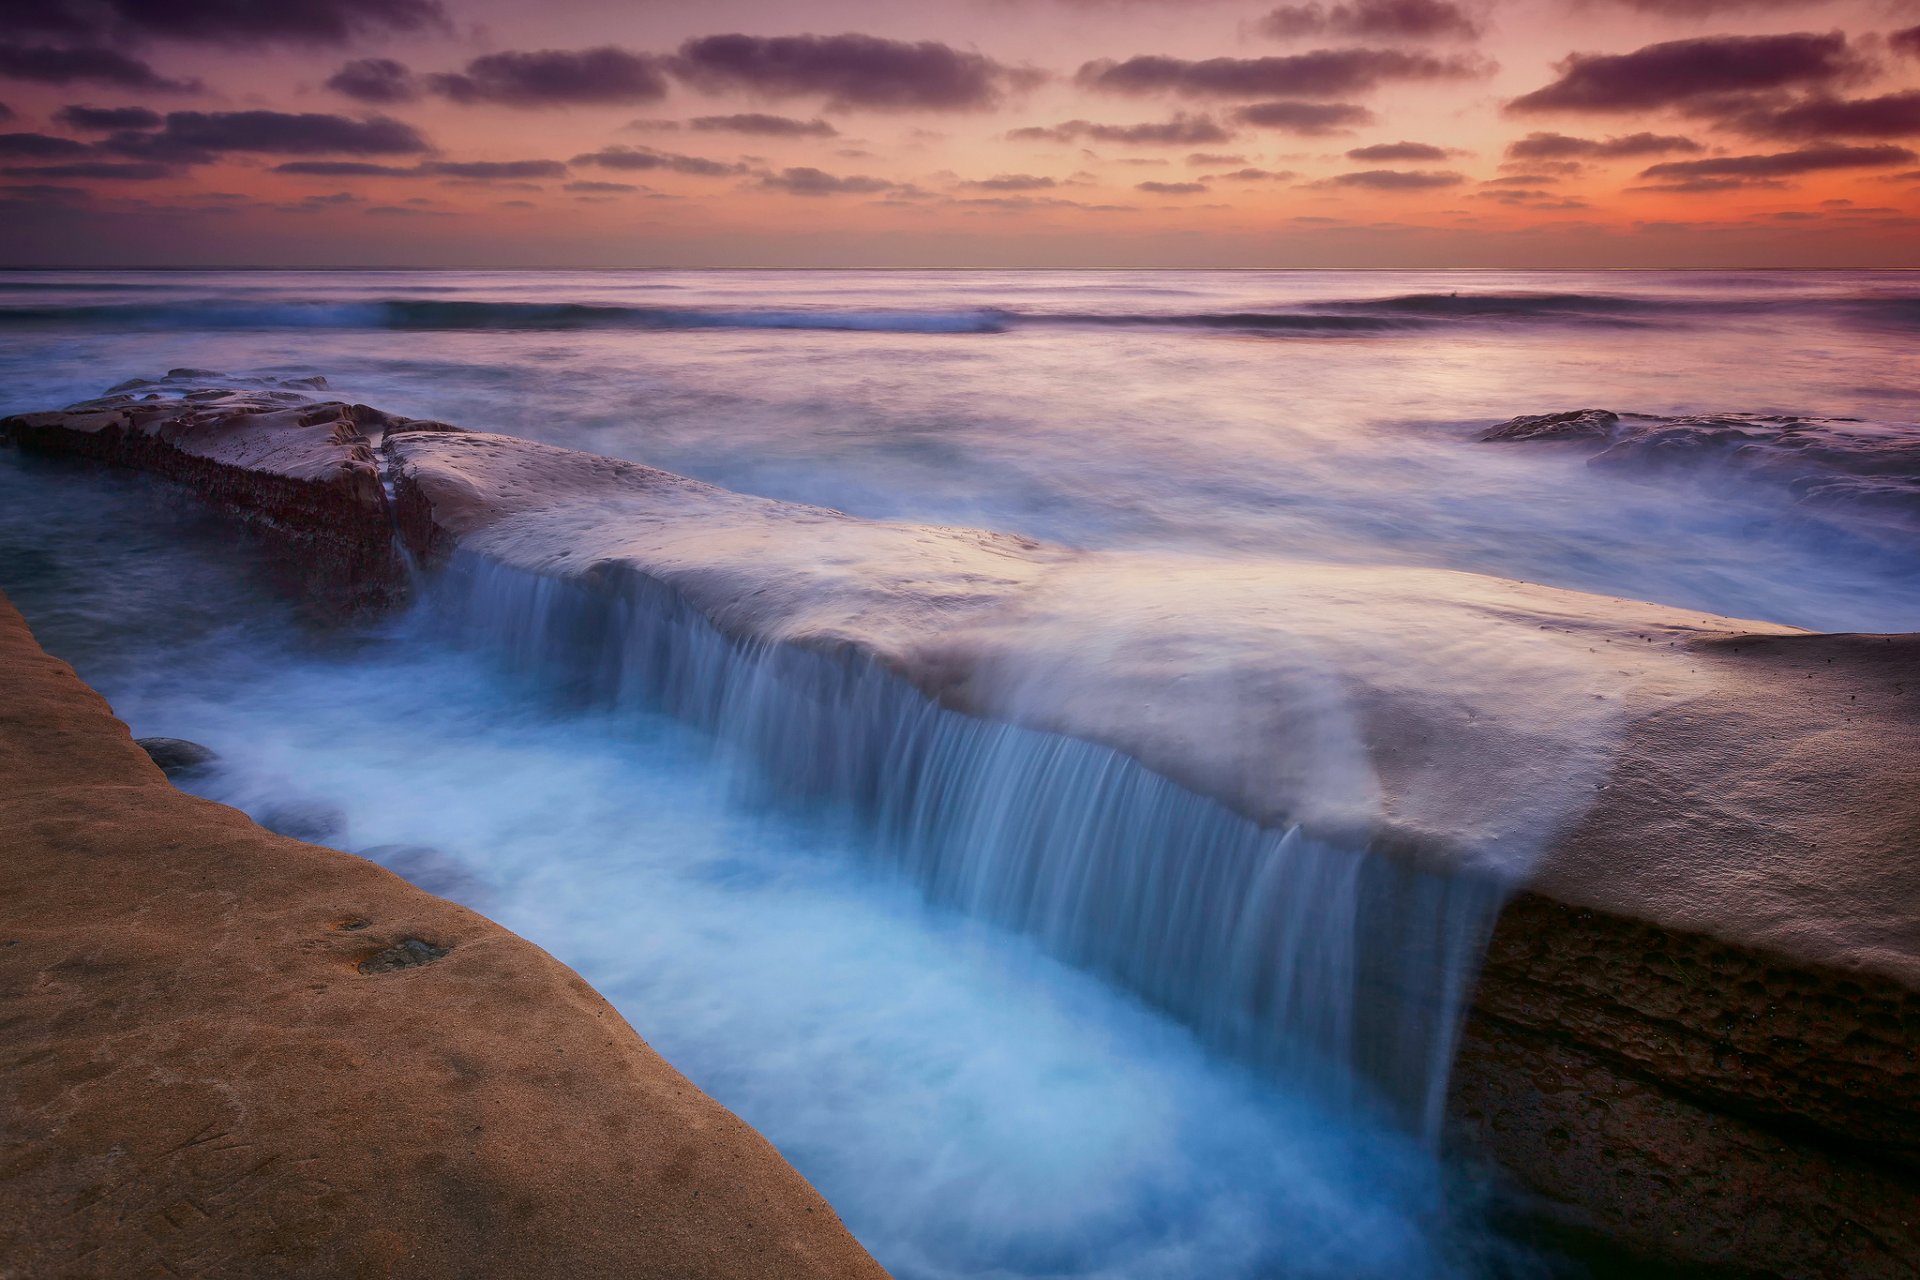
{"x": 970, "y": 1100}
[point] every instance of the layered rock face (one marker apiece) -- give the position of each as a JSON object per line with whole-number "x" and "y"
{"x": 1696, "y": 1029}
{"x": 224, "y": 1052}
{"x": 1861, "y": 475}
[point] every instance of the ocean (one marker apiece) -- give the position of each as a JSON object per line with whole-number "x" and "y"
{"x": 971, "y": 1102}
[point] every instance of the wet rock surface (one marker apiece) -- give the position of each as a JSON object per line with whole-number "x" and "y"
{"x": 1864, "y": 475}
{"x": 177, "y": 757}
{"x": 315, "y": 821}
{"x": 200, "y": 1077}
{"x": 301, "y": 470}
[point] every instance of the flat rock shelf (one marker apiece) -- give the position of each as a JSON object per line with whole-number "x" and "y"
{"x": 1689, "y": 1016}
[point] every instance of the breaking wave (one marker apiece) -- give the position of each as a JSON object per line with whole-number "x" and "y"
{"x": 1359, "y": 316}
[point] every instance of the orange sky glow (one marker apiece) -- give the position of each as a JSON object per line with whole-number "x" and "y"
{"x": 961, "y": 133}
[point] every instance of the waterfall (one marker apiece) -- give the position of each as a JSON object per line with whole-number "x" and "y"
{"x": 1343, "y": 969}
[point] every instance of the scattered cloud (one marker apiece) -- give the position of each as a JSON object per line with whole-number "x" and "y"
{"x": 806, "y": 181}
{"x": 1558, "y": 146}
{"x": 1395, "y": 179}
{"x": 540, "y": 78}
{"x": 107, "y": 170}
{"x": 1391, "y": 151}
{"x": 1307, "y": 119}
{"x": 761, "y": 125}
{"x": 1322, "y": 73}
{"x": 107, "y": 119}
{"x": 345, "y": 169}
{"x": 1680, "y": 72}
{"x": 236, "y": 22}
{"x": 1181, "y": 131}
{"x": 39, "y": 146}
{"x": 1171, "y": 188}
{"x": 86, "y": 65}
{"x": 197, "y": 137}
{"x": 849, "y": 71}
{"x": 1783, "y": 163}
{"x": 376, "y": 80}
{"x": 491, "y": 170}
{"x": 1371, "y": 19}
{"x": 1891, "y": 115}
{"x": 643, "y": 159}
{"x": 1012, "y": 182}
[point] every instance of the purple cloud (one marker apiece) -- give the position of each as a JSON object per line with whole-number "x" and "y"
{"x": 107, "y": 119}
{"x": 1012, "y": 182}
{"x": 1683, "y": 71}
{"x": 377, "y": 80}
{"x": 493, "y": 170}
{"x": 1395, "y": 179}
{"x": 239, "y": 22}
{"x": 1891, "y": 115}
{"x": 85, "y": 65}
{"x": 1308, "y": 119}
{"x": 1323, "y": 73}
{"x": 1371, "y": 19}
{"x": 848, "y": 71}
{"x": 806, "y": 181}
{"x": 1181, "y": 131}
{"x": 757, "y": 124}
{"x": 1783, "y": 163}
{"x": 1389, "y": 151}
{"x": 644, "y": 159}
{"x": 555, "y": 78}
{"x": 1171, "y": 188}
{"x": 1558, "y": 146}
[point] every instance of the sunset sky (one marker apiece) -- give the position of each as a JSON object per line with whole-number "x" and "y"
{"x": 960, "y": 133}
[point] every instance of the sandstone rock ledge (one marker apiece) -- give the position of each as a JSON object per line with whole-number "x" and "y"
{"x": 223, "y": 1052}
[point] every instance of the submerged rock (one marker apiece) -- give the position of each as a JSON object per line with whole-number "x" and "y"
{"x": 430, "y": 869}
{"x": 315, "y": 821}
{"x": 176, "y": 756}
{"x": 1865, "y": 475}
{"x": 229, "y": 1053}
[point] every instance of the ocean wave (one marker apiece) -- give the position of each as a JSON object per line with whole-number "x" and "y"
{"x": 1354, "y": 316}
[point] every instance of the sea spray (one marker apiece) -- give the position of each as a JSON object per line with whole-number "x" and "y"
{"x": 1338, "y": 967}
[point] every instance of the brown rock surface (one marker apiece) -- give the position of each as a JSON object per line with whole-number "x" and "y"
{"x": 223, "y": 1052}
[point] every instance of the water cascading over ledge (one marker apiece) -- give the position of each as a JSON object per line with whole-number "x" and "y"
{"x": 1336, "y": 966}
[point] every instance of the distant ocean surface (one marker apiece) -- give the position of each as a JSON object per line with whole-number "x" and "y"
{"x": 971, "y": 1105}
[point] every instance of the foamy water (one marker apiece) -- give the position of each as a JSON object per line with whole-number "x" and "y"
{"x": 983, "y": 1079}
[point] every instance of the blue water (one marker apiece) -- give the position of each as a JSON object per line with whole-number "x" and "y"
{"x": 972, "y": 1104}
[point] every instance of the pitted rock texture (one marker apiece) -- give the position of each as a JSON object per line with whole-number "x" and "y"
{"x": 1864, "y": 475}
{"x": 1694, "y": 1101}
{"x": 227, "y": 1053}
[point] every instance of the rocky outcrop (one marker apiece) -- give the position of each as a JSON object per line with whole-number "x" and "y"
{"x": 1695, "y": 1029}
{"x": 1863, "y": 475}
{"x": 300, "y": 470}
{"x": 223, "y": 1052}
{"x": 1695, "y": 1034}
